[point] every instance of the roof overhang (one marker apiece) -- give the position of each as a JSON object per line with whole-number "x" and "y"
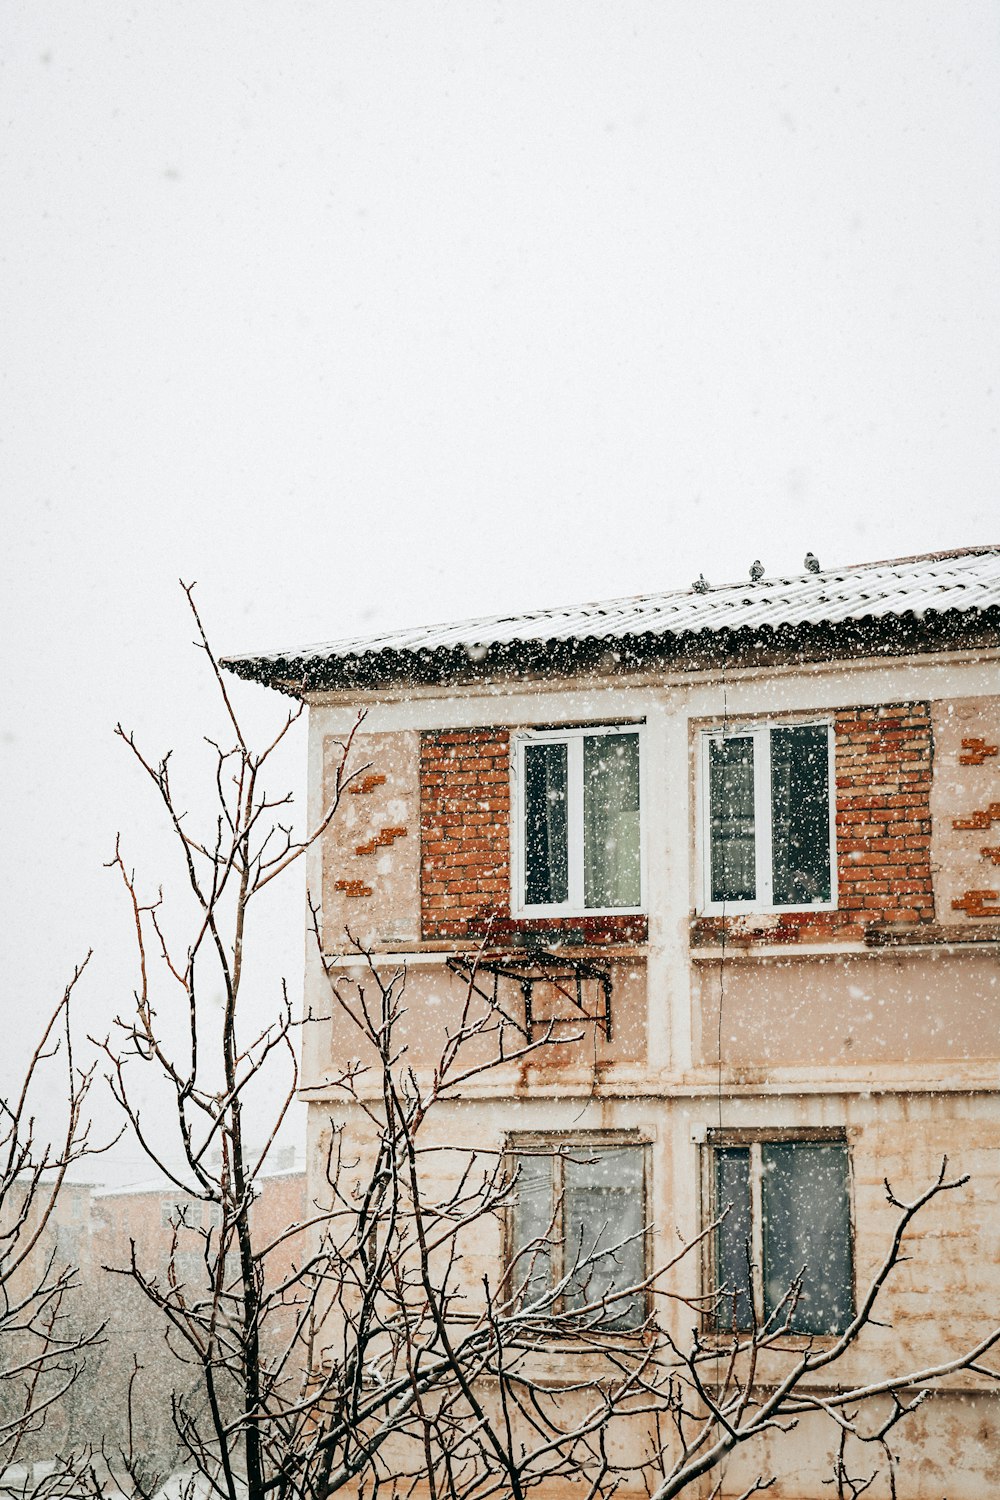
{"x": 784, "y": 645}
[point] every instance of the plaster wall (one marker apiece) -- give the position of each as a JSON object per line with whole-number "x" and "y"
{"x": 896, "y": 1046}
{"x": 877, "y": 1008}
{"x": 434, "y": 1003}
{"x": 966, "y": 792}
{"x": 830, "y": 1010}
{"x": 371, "y": 851}
{"x": 935, "y": 1304}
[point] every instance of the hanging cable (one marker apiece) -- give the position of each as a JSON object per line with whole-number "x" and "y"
{"x": 722, "y": 999}
{"x": 722, "y": 953}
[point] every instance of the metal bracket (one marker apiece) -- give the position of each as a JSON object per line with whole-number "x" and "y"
{"x": 564, "y": 972}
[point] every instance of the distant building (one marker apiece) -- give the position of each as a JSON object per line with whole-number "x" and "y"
{"x": 160, "y": 1221}
{"x": 95, "y": 1230}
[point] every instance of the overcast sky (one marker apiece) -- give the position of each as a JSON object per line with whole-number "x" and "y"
{"x": 369, "y": 314}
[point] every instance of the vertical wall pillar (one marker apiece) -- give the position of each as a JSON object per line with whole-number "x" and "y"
{"x": 677, "y": 897}
{"x": 667, "y": 796}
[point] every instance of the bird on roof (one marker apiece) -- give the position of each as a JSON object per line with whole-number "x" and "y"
{"x": 701, "y": 584}
{"x": 812, "y": 563}
{"x": 756, "y": 571}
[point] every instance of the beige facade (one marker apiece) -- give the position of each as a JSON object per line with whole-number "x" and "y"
{"x": 884, "y": 1032}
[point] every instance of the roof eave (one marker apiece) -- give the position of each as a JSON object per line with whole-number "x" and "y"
{"x": 874, "y": 635}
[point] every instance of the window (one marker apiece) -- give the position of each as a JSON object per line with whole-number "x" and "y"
{"x": 578, "y": 840}
{"x": 174, "y": 1213}
{"x": 788, "y": 1216}
{"x": 190, "y": 1269}
{"x": 767, "y": 810}
{"x": 579, "y": 1212}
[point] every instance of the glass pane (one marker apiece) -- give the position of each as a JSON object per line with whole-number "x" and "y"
{"x": 733, "y": 1238}
{"x": 611, "y": 820}
{"x": 546, "y": 864}
{"x": 533, "y": 1229}
{"x": 807, "y": 1224}
{"x": 730, "y": 791}
{"x": 800, "y": 814}
{"x": 603, "y": 1207}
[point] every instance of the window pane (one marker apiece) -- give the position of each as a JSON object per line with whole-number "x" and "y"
{"x": 611, "y": 820}
{"x": 734, "y": 876}
{"x": 807, "y": 1224}
{"x": 800, "y": 814}
{"x": 602, "y": 1207}
{"x": 533, "y": 1228}
{"x": 732, "y": 1238}
{"x": 546, "y": 865}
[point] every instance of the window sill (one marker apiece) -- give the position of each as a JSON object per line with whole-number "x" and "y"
{"x": 737, "y": 950}
{"x": 573, "y": 914}
{"x": 737, "y": 910}
{"x": 592, "y": 929}
{"x": 599, "y": 1343}
{"x": 788, "y": 928}
{"x": 777, "y": 1343}
{"x": 435, "y": 952}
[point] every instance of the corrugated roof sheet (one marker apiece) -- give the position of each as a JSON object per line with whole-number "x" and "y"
{"x": 939, "y": 583}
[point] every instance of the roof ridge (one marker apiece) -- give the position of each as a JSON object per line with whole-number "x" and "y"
{"x": 895, "y": 562}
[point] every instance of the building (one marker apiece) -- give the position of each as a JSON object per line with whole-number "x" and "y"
{"x": 744, "y": 845}
{"x": 95, "y": 1230}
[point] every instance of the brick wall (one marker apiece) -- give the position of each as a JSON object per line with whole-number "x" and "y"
{"x": 883, "y": 772}
{"x": 464, "y": 829}
{"x": 883, "y": 780}
{"x": 465, "y": 818}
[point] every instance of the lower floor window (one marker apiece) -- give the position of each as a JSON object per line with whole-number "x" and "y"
{"x": 578, "y": 1228}
{"x": 783, "y": 1248}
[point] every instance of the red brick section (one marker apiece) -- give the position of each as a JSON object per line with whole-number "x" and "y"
{"x": 884, "y": 758}
{"x": 884, "y": 769}
{"x": 464, "y": 829}
{"x": 465, "y": 845}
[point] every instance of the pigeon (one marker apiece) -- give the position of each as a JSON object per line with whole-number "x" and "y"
{"x": 756, "y": 571}
{"x": 812, "y": 563}
{"x": 701, "y": 584}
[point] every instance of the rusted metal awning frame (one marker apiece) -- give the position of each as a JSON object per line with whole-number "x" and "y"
{"x": 564, "y": 972}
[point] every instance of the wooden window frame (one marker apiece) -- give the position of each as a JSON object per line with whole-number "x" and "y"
{"x": 754, "y": 1137}
{"x": 555, "y": 1145}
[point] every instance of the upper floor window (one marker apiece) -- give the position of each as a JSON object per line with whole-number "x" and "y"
{"x": 577, "y": 1239}
{"x": 578, "y": 846}
{"x": 767, "y": 818}
{"x": 183, "y": 1213}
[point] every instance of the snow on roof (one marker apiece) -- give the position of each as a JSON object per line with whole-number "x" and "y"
{"x": 935, "y": 584}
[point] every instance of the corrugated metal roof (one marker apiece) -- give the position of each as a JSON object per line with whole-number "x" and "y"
{"x": 938, "y": 583}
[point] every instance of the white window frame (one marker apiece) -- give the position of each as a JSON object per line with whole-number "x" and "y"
{"x": 183, "y": 1213}
{"x": 760, "y": 733}
{"x": 573, "y": 739}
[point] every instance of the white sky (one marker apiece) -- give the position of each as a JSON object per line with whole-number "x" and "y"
{"x": 367, "y": 314}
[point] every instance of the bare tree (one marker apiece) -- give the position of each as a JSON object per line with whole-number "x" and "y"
{"x": 768, "y": 1378}
{"x": 42, "y": 1346}
{"x": 425, "y": 1382}
{"x": 384, "y": 1343}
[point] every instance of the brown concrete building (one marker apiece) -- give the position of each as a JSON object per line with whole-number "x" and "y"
{"x": 161, "y": 1222}
{"x": 93, "y": 1229}
{"x": 760, "y": 826}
